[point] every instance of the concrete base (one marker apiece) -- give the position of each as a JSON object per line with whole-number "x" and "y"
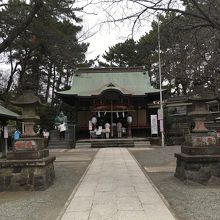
{"x": 28, "y": 174}
{"x": 203, "y": 169}
{"x": 24, "y": 155}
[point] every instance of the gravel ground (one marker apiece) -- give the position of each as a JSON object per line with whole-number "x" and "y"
{"x": 189, "y": 201}
{"x": 46, "y": 205}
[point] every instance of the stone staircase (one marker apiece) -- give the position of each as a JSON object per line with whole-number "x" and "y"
{"x": 104, "y": 143}
{"x": 55, "y": 141}
{"x": 112, "y": 143}
{"x": 81, "y": 144}
{"x": 59, "y": 144}
{"x": 142, "y": 144}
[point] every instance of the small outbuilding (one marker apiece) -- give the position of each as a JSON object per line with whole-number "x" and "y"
{"x": 5, "y": 115}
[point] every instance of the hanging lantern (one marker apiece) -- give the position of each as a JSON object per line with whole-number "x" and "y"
{"x": 94, "y": 120}
{"x": 117, "y": 114}
{"x": 129, "y": 119}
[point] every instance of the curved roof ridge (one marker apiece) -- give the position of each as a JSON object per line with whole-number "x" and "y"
{"x": 87, "y": 84}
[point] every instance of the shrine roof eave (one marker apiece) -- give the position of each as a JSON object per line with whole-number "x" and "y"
{"x": 7, "y": 114}
{"x": 127, "y": 81}
{"x": 62, "y": 95}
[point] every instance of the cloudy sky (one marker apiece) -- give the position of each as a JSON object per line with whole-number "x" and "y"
{"x": 105, "y": 34}
{"x": 99, "y": 33}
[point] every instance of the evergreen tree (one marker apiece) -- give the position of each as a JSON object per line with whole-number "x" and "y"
{"x": 48, "y": 50}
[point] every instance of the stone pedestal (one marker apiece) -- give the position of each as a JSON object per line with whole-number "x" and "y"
{"x": 22, "y": 155}
{"x": 199, "y": 160}
{"x": 201, "y": 139}
{"x": 204, "y": 169}
{"x": 26, "y": 174}
{"x": 27, "y": 167}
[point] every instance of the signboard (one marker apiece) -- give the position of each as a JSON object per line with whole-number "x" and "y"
{"x": 5, "y": 132}
{"x": 154, "y": 126}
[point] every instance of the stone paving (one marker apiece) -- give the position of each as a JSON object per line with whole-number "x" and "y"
{"x": 115, "y": 187}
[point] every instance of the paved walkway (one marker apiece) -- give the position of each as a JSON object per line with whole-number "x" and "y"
{"x": 115, "y": 187}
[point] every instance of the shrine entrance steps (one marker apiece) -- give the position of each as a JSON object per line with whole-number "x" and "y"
{"x": 56, "y": 142}
{"x": 105, "y": 143}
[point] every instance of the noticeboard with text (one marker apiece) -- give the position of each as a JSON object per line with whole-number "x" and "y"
{"x": 154, "y": 125}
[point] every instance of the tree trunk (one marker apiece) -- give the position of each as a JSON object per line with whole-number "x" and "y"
{"x": 50, "y": 69}
{"x": 53, "y": 87}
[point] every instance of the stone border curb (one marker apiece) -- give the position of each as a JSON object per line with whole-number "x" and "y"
{"x": 154, "y": 186}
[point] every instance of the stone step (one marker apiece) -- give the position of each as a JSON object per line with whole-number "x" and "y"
{"x": 60, "y": 144}
{"x": 83, "y": 145}
{"x": 102, "y": 145}
{"x": 142, "y": 144}
{"x": 112, "y": 143}
{"x": 113, "y": 140}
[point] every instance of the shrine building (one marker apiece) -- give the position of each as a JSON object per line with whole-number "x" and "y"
{"x": 110, "y": 95}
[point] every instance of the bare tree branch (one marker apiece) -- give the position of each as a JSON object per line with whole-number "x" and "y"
{"x": 145, "y": 6}
{"x": 203, "y": 13}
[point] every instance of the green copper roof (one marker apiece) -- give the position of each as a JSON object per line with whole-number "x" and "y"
{"x": 129, "y": 81}
{"x": 4, "y": 112}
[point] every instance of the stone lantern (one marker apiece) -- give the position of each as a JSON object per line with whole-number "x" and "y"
{"x": 28, "y": 102}
{"x": 29, "y": 157}
{"x": 199, "y": 160}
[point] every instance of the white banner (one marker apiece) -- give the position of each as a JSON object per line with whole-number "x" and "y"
{"x": 154, "y": 125}
{"x": 90, "y": 125}
{"x": 5, "y": 132}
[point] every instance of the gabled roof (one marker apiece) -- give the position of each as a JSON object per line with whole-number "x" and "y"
{"x": 5, "y": 113}
{"x": 93, "y": 81}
